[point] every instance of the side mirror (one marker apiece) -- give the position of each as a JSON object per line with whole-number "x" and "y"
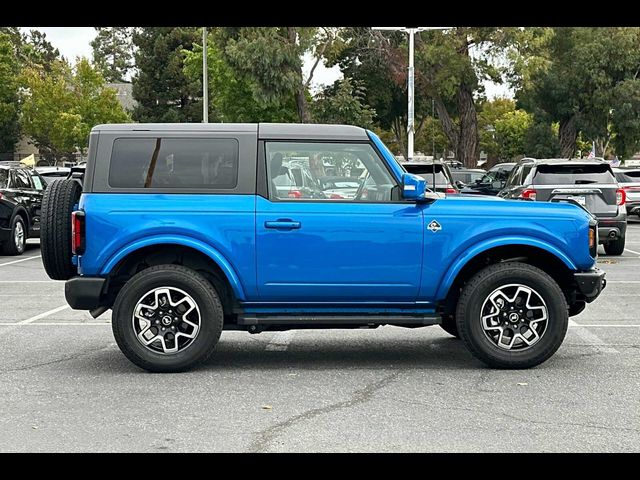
{"x": 460, "y": 184}
{"x": 413, "y": 186}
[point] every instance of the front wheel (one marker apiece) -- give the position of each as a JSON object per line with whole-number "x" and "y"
{"x": 512, "y": 315}
{"x": 167, "y": 318}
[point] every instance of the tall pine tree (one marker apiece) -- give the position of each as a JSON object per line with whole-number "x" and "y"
{"x": 163, "y": 92}
{"x": 113, "y": 52}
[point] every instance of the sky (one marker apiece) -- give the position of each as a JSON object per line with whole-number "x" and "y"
{"x": 75, "y": 41}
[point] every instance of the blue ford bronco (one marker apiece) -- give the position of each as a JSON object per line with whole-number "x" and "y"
{"x": 185, "y": 230}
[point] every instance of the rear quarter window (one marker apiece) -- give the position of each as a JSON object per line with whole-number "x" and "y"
{"x": 573, "y": 174}
{"x": 174, "y": 163}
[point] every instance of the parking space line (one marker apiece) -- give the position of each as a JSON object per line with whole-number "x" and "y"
{"x": 52, "y": 324}
{"x": 591, "y": 338}
{"x": 43, "y": 315}
{"x": 632, "y": 251}
{"x": 31, "y": 281}
{"x": 280, "y": 341}
{"x": 602, "y": 325}
{"x": 21, "y": 260}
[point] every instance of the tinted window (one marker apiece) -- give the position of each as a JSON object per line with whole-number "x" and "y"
{"x": 326, "y": 171}
{"x": 426, "y": 172}
{"x": 174, "y": 163}
{"x": 526, "y": 170}
{"x": 628, "y": 177}
{"x": 3, "y": 178}
{"x": 37, "y": 182}
{"x": 573, "y": 174}
{"x": 21, "y": 180}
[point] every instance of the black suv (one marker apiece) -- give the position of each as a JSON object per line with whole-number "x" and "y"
{"x": 492, "y": 182}
{"x": 589, "y": 183}
{"x": 21, "y": 191}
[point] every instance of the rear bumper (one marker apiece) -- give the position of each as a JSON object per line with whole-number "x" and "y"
{"x": 590, "y": 283}
{"x": 633, "y": 208}
{"x": 84, "y": 293}
{"x": 612, "y": 228}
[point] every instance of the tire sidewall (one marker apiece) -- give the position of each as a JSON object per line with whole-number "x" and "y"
{"x": 470, "y": 322}
{"x": 19, "y": 248}
{"x": 210, "y": 320}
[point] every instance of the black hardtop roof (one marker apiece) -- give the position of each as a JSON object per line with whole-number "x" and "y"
{"x": 274, "y": 131}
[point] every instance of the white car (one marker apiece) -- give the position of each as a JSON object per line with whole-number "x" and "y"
{"x": 629, "y": 181}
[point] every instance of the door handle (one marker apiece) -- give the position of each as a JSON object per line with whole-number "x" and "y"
{"x": 283, "y": 224}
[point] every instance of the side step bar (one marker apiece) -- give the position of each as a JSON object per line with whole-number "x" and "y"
{"x": 265, "y": 319}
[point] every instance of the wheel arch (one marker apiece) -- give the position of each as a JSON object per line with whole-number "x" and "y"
{"x": 531, "y": 251}
{"x": 177, "y": 250}
{"x": 22, "y": 212}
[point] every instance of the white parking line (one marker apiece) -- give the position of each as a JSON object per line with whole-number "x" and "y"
{"x": 31, "y": 281}
{"x": 43, "y": 315}
{"x": 21, "y": 260}
{"x": 592, "y": 339}
{"x": 280, "y": 341}
{"x": 632, "y": 251}
{"x": 52, "y": 324}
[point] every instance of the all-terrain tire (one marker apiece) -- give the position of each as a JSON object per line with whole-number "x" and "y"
{"x": 615, "y": 247}
{"x": 205, "y": 296}
{"x": 502, "y": 275}
{"x": 55, "y": 235}
{"x": 449, "y": 325}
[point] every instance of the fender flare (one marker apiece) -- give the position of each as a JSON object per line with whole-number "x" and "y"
{"x": 461, "y": 260}
{"x": 202, "y": 247}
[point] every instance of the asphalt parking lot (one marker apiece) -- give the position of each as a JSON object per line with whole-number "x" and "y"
{"x": 65, "y": 386}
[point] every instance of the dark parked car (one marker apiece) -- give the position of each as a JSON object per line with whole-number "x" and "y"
{"x": 53, "y": 173}
{"x": 492, "y": 182}
{"x": 463, "y": 176}
{"x": 589, "y": 183}
{"x": 444, "y": 181}
{"x": 629, "y": 180}
{"x": 21, "y": 192}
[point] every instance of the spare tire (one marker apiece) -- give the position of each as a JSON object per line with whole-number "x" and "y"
{"x": 55, "y": 234}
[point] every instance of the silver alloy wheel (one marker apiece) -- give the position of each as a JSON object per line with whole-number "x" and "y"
{"x": 514, "y": 317}
{"x": 18, "y": 236}
{"x": 166, "y": 320}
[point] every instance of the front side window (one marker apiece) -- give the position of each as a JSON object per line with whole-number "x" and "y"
{"x": 327, "y": 171}
{"x": 174, "y": 163}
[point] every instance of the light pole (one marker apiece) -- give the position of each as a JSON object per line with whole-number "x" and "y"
{"x": 205, "y": 78}
{"x": 410, "y": 75}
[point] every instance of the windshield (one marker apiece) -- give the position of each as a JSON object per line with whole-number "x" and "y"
{"x": 426, "y": 172}
{"x": 573, "y": 174}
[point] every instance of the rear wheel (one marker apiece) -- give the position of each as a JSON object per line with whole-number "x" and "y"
{"x": 512, "y": 315}
{"x": 55, "y": 236}
{"x": 167, "y": 318}
{"x": 615, "y": 247}
{"x": 15, "y": 244}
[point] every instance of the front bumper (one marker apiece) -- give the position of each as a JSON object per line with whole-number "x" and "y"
{"x": 84, "y": 293}
{"x": 590, "y": 283}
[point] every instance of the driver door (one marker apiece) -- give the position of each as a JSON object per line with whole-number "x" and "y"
{"x": 318, "y": 247}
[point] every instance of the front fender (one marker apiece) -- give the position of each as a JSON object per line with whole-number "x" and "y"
{"x": 461, "y": 260}
{"x": 202, "y": 247}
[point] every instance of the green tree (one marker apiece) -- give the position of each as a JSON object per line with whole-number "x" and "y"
{"x": 231, "y": 96}
{"x": 59, "y": 108}
{"x": 343, "y": 103}
{"x": 511, "y": 129}
{"x": 9, "y": 68}
{"x": 541, "y": 141}
{"x": 272, "y": 58}
{"x": 586, "y": 80}
{"x": 113, "y": 52}
{"x": 163, "y": 92}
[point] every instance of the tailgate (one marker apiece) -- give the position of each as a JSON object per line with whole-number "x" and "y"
{"x": 598, "y": 199}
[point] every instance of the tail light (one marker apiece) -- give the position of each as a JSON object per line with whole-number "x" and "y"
{"x": 450, "y": 189}
{"x": 621, "y": 196}
{"x": 77, "y": 232}
{"x": 295, "y": 194}
{"x": 1, "y": 196}
{"x": 335, "y": 196}
{"x": 529, "y": 194}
